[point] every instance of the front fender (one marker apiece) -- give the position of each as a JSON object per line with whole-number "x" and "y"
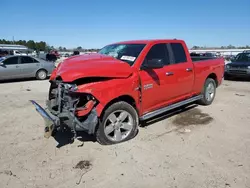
{"x": 108, "y": 90}
{"x": 54, "y": 72}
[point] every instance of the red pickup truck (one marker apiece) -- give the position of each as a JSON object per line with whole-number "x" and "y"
{"x": 107, "y": 94}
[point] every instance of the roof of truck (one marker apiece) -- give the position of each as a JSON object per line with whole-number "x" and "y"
{"x": 148, "y": 41}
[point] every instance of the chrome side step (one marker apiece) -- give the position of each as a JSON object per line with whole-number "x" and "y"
{"x": 170, "y": 107}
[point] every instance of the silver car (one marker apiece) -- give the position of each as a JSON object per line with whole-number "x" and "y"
{"x": 13, "y": 67}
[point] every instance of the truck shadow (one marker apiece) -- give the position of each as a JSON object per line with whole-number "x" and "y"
{"x": 168, "y": 114}
{"x": 238, "y": 79}
{"x": 19, "y": 80}
{"x": 66, "y": 137}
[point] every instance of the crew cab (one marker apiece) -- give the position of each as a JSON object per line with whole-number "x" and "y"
{"x": 108, "y": 94}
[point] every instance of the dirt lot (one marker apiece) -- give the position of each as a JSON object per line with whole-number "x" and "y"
{"x": 199, "y": 147}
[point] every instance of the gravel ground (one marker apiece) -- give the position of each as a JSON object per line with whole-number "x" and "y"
{"x": 196, "y": 147}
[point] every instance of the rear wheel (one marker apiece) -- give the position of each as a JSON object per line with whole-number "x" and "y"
{"x": 209, "y": 91}
{"x": 41, "y": 75}
{"x": 119, "y": 123}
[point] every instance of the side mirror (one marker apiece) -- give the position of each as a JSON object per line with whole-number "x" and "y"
{"x": 152, "y": 64}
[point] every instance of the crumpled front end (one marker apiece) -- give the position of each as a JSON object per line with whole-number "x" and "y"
{"x": 67, "y": 108}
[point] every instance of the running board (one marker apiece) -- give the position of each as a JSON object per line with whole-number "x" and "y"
{"x": 170, "y": 107}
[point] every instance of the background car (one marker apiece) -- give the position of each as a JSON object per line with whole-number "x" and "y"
{"x": 14, "y": 67}
{"x": 239, "y": 67}
{"x": 66, "y": 55}
{"x": 75, "y": 53}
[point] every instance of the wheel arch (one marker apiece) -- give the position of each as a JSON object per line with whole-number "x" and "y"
{"x": 126, "y": 98}
{"x": 214, "y": 77}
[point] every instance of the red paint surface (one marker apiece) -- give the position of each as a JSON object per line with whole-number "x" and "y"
{"x": 92, "y": 65}
{"x": 126, "y": 80}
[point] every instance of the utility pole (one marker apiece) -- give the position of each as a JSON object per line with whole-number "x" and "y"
{"x": 13, "y": 40}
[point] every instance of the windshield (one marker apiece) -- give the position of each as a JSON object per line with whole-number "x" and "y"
{"x": 243, "y": 57}
{"x": 124, "y": 52}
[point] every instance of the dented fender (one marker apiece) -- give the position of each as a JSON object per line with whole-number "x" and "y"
{"x": 104, "y": 91}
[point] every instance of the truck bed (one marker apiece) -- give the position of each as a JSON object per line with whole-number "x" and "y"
{"x": 204, "y": 67}
{"x": 201, "y": 58}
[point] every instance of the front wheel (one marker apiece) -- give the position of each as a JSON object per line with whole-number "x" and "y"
{"x": 209, "y": 91}
{"x": 118, "y": 124}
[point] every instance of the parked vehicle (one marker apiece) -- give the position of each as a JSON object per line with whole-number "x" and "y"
{"x": 246, "y": 51}
{"x": 210, "y": 54}
{"x": 201, "y": 56}
{"x": 66, "y": 55}
{"x": 3, "y": 53}
{"x": 51, "y": 57}
{"x": 107, "y": 94}
{"x": 17, "y": 52}
{"x": 14, "y": 67}
{"x": 13, "y": 49}
{"x": 239, "y": 67}
{"x": 55, "y": 52}
{"x": 47, "y": 57}
{"x": 76, "y": 53}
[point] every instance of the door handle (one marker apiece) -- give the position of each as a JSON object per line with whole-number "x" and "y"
{"x": 189, "y": 69}
{"x": 17, "y": 66}
{"x": 169, "y": 73}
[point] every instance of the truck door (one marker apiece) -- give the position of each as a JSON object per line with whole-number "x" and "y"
{"x": 181, "y": 70}
{"x": 10, "y": 69}
{"x": 29, "y": 66}
{"x": 155, "y": 84}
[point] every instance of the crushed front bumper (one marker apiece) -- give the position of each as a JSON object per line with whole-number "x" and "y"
{"x": 50, "y": 120}
{"x": 86, "y": 122}
{"x": 63, "y": 112}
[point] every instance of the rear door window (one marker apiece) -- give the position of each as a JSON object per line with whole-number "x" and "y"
{"x": 27, "y": 59}
{"x": 11, "y": 61}
{"x": 178, "y": 53}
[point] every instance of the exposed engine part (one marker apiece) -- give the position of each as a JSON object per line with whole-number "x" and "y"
{"x": 75, "y": 110}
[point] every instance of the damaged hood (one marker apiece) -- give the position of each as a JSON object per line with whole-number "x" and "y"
{"x": 92, "y": 65}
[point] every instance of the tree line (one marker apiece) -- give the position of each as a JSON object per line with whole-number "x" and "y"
{"x": 43, "y": 46}
{"x": 79, "y": 48}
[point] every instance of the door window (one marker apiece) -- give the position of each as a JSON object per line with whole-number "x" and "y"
{"x": 179, "y": 53}
{"x": 27, "y": 59}
{"x": 11, "y": 61}
{"x": 159, "y": 52}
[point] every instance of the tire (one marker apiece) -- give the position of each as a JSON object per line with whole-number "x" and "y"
{"x": 208, "y": 92}
{"x": 115, "y": 128}
{"x": 41, "y": 75}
